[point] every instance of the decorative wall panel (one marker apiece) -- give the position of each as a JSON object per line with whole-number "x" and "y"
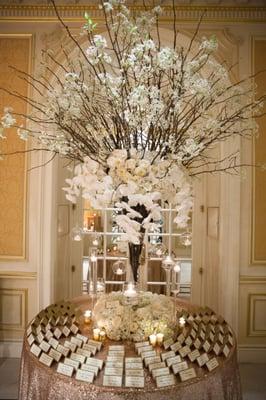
{"x": 257, "y": 314}
{"x": 15, "y": 50}
{"x": 13, "y": 307}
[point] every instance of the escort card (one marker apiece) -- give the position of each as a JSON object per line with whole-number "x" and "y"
{"x": 165, "y": 380}
{"x": 40, "y": 337}
{"x": 74, "y": 329}
{"x": 117, "y": 348}
{"x": 38, "y": 329}
{"x": 95, "y": 343}
{"x": 221, "y": 338}
{"x": 193, "y": 355}
{"x": 85, "y": 376}
{"x": 184, "y": 351}
{"x": 57, "y": 333}
{"x": 55, "y": 354}
{"x": 141, "y": 344}
{"x": 72, "y": 363}
{"x": 212, "y": 364}
{"x": 181, "y": 338}
{"x": 95, "y": 362}
{"x": 151, "y": 360}
{"x": 45, "y": 359}
{"x": 159, "y": 372}
{"x": 65, "y": 369}
{"x": 78, "y": 357}
{"x": 134, "y": 365}
{"x": 148, "y": 354}
{"x": 114, "y": 364}
{"x": 70, "y": 345}
{"x": 134, "y": 360}
{"x": 167, "y": 343}
{"x": 29, "y": 330}
{"x": 62, "y": 349}
{"x": 134, "y": 381}
{"x": 207, "y": 346}
{"x": 47, "y": 327}
{"x": 82, "y": 337}
{"x": 157, "y": 365}
{"x": 53, "y": 342}
{"x": 30, "y": 339}
{"x": 45, "y": 346}
{"x": 168, "y": 354}
{"x": 85, "y": 353}
{"x": 193, "y": 333}
{"x": 226, "y": 351}
{"x": 134, "y": 372}
{"x": 197, "y": 344}
{"x": 179, "y": 367}
{"x": 115, "y": 381}
{"x": 187, "y": 374}
{"x": 35, "y": 350}
{"x": 202, "y": 334}
{"x": 216, "y": 349}
{"x": 115, "y": 358}
{"x": 66, "y": 331}
{"x": 76, "y": 341}
{"x": 188, "y": 341}
{"x": 91, "y": 348}
{"x": 211, "y": 336}
{"x": 48, "y": 335}
{"x": 173, "y": 360}
{"x": 176, "y": 346}
{"x": 113, "y": 371}
{"x": 230, "y": 340}
{"x": 143, "y": 349}
{"x": 202, "y": 359}
{"x": 90, "y": 368}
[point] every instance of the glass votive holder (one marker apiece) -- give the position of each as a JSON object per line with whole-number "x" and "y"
{"x": 96, "y": 334}
{"x": 87, "y": 316}
{"x": 153, "y": 339}
{"x": 129, "y": 289}
{"x": 159, "y": 338}
{"x": 102, "y": 335}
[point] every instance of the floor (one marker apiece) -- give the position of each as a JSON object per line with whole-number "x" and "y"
{"x": 253, "y": 378}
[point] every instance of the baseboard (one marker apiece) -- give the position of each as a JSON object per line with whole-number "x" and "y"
{"x": 248, "y": 354}
{"x": 10, "y": 349}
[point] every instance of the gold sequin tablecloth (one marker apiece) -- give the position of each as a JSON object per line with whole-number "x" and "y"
{"x": 39, "y": 382}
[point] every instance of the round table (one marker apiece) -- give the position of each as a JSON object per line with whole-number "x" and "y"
{"x": 39, "y": 382}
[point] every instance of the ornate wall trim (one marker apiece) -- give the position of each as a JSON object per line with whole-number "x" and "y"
{"x": 18, "y": 275}
{"x": 185, "y": 13}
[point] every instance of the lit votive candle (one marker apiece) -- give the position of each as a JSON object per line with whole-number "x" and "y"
{"x": 182, "y": 322}
{"x": 119, "y": 271}
{"x": 102, "y": 335}
{"x": 130, "y": 290}
{"x": 159, "y": 338}
{"x": 96, "y": 333}
{"x": 87, "y": 316}
{"x": 93, "y": 258}
{"x": 153, "y": 339}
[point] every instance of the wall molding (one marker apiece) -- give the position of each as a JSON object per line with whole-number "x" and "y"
{"x": 22, "y": 296}
{"x": 251, "y": 354}
{"x": 10, "y": 349}
{"x": 248, "y": 280}
{"x": 184, "y": 13}
{"x": 18, "y": 275}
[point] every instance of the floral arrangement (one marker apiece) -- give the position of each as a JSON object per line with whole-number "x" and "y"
{"x": 127, "y": 320}
{"x": 137, "y": 118}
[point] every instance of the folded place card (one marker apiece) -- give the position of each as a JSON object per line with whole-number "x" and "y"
{"x": 57, "y": 333}
{"x": 194, "y": 355}
{"x": 78, "y": 357}
{"x": 90, "y": 368}
{"x": 134, "y": 372}
{"x": 72, "y": 363}
{"x": 212, "y": 364}
{"x": 76, "y": 341}
{"x": 202, "y": 359}
{"x": 167, "y": 343}
{"x": 115, "y": 358}
{"x": 160, "y": 371}
{"x": 134, "y": 381}
{"x": 211, "y": 336}
{"x": 206, "y": 346}
{"x": 187, "y": 374}
{"x": 230, "y": 340}
{"x": 141, "y": 344}
{"x": 188, "y": 341}
{"x": 217, "y": 349}
{"x": 29, "y": 330}
{"x": 168, "y": 354}
{"x": 179, "y": 367}
{"x": 95, "y": 362}
{"x": 85, "y": 353}
{"x": 74, "y": 329}
{"x": 55, "y": 354}
{"x": 91, "y": 348}
{"x": 173, "y": 360}
{"x": 85, "y": 376}
{"x": 165, "y": 380}
{"x": 48, "y": 335}
{"x": 184, "y": 351}
{"x": 144, "y": 348}
{"x": 45, "y": 346}
{"x": 113, "y": 371}
{"x": 35, "y": 350}
{"x": 176, "y": 346}
{"x": 136, "y": 365}
{"x": 30, "y": 339}
{"x": 65, "y": 369}
{"x": 148, "y": 354}
{"x": 82, "y": 337}
{"x": 114, "y": 364}
{"x": 181, "y": 338}
{"x": 115, "y": 381}
{"x": 66, "y": 331}
{"x": 62, "y": 349}
{"x": 197, "y": 344}
{"x": 40, "y": 337}
{"x": 151, "y": 360}
{"x": 53, "y": 342}
{"x": 129, "y": 360}
{"x": 117, "y": 348}
{"x": 157, "y": 365}
{"x": 45, "y": 359}
{"x": 95, "y": 343}
{"x": 70, "y": 345}
{"x": 117, "y": 353}
{"x": 226, "y": 351}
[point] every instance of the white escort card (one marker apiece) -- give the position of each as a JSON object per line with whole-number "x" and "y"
{"x": 113, "y": 371}
{"x": 159, "y": 372}
{"x": 70, "y": 345}
{"x": 194, "y": 355}
{"x": 115, "y": 381}
{"x": 179, "y": 367}
{"x": 74, "y": 329}
{"x": 134, "y": 381}
{"x": 53, "y": 342}
{"x": 226, "y": 351}
{"x": 148, "y": 354}
{"x": 181, "y": 338}
{"x": 82, "y": 337}
{"x": 35, "y": 350}
{"x": 91, "y": 348}
{"x": 134, "y": 372}
{"x": 188, "y": 341}
{"x": 184, "y": 351}
{"x": 78, "y": 357}
{"x": 211, "y": 336}
{"x": 45, "y": 359}
{"x": 85, "y": 376}
{"x": 193, "y": 333}
{"x": 151, "y": 360}
{"x": 217, "y": 349}
{"x": 45, "y": 346}
{"x": 38, "y": 329}
{"x": 40, "y": 337}
{"x": 165, "y": 380}
{"x": 48, "y": 335}
{"x": 176, "y": 346}
{"x": 90, "y": 368}
{"x": 187, "y": 374}
{"x": 95, "y": 343}
{"x": 206, "y": 346}
{"x": 95, "y": 362}
{"x": 30, "y": 339}
{"x": 168, "y": 354}
{"x": 65, "y": 369}
{"x": 136, "y": 365}
{"x": 72, "y": 363}
{"x": 167, "y": 343}
{"x": 202, "y": 334}
{"x": 85, "y": 353}
{"x": 141, "y": 344}
{"x": 114, "y": 364}
{"x": 143, "y": 349}
{"x": 57, "y": 333}
{"x": 66, "y": 331}
{"x": 212, "y": 364}
{"x": 173, "y": 360}
{"x": 29, "y": 330}
{"x": 157, "y": 365}
{"x": 117, "y": 348}
{"x": 118, "y": 353}
{"x": 115, "y": 358}
{"x": 76, "y": 341}
{"x": 134, "y": 360}
{"x": 62, "y": 349}
{"x": 202, "y": 359}
{"x": 197, "y": 344}
{"x": 55, "y": 354}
